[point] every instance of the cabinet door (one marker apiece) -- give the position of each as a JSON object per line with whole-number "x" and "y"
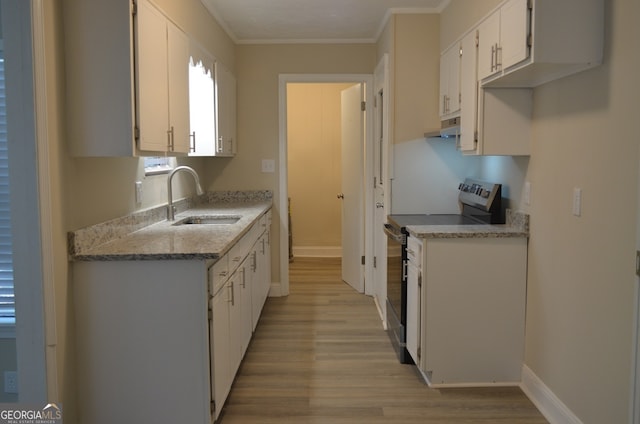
{"x": 152, "y": 76}
{"x": 202, "y": 115}
{"x": 488, "y": 46}
{"x": 468, "y": 93}
{"x": 514, "y": 32}
{"x": 235, "y": 325}
{"x": 221, "y": 375}
{"x": 264, "y": 268}
{"x": 225, "y": 83}
{"x": 178, "y": 81}
{"x": 413, "y": 311}
{"x": 450, "y": 81}
{"x": 245, "y": 304}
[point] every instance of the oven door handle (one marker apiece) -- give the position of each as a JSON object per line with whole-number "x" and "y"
{"x": 388, "y": 230}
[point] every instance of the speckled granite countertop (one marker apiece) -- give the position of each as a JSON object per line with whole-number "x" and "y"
{"x": 147, "y": 235}
{"x": 517, "y": 226}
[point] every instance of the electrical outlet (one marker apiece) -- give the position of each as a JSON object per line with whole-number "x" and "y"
{"x": 138, "y": 191}
{"x": 577, "y": 201}
{"x": 10, "y": 382}
{"x": 527, "y": 193}
{"x": 268, "y": 165}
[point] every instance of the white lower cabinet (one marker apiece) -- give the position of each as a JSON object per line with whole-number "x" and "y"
{"x": 238, "y": 297}
{"x": 162, "y": 340}
{"x": 472, "y": 312}
{"x": 220, "y": 334}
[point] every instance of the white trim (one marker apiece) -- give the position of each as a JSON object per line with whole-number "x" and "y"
{"x": 317, "y": 251}
{"x": 275, "y": 290}
{"x": 634, "y": 408}
{"x": 44, "y": 193}
{"x": 634, "y": 413}
{"x": 18, "y": 20}
{"x": 283, "y": 80}
{"x": 545, "y": 400}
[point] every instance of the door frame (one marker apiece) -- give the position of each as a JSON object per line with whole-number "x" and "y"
{"x": 634, "y": 413}
{"x": 36, "y": 338}
{"x": 285, "y": 79}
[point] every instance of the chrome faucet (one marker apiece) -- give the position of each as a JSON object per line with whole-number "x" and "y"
{"x": 170, "y": 208}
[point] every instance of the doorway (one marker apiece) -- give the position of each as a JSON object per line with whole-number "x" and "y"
{"x": 322, "y": 194}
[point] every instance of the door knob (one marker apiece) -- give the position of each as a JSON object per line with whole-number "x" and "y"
{"x": 379, "y": 205}
{"x": 340, "y": 196}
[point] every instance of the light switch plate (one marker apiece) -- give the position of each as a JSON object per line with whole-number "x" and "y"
{"x": 527, "y": 193}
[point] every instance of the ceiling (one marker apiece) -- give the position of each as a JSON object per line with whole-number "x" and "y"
{"x": 311, "y": 21}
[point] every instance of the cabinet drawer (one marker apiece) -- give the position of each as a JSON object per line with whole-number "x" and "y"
{"x": 218, "y": 274}
{"x": 240, "y": 250}
{"x": 414, "y": 251}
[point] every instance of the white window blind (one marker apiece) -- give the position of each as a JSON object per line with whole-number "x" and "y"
{"x": 7, "y": 301}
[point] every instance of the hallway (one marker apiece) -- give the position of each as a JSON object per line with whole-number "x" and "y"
{"x": 320, "y": 355}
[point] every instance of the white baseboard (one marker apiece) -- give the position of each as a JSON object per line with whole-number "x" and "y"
{"x": 380, "y": 313}
{"x": 317, "y": 251}
{"x": 275, "y": 290}
{"x": 545, "y": 400}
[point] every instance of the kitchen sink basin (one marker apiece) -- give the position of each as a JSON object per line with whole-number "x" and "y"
{"x": 208, "y": 220}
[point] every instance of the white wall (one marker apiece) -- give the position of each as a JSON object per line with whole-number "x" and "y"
{"x": 426, "y": 176}
{"x": 580, "y": 299}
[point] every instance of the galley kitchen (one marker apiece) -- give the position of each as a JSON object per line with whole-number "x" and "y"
{"x": 543, "y": 96}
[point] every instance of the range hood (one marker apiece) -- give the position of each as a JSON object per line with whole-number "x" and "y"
{"x": 449, "y": 128}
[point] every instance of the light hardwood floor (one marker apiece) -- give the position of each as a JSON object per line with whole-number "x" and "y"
{"x": 321, "y": 356}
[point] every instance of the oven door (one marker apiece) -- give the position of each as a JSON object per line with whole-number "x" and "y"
{"x": 397, "y": 291}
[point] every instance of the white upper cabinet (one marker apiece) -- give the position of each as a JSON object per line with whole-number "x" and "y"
{"x": 468, "y": 93}
{"x": 212, "y": 98}
{"x": 515, "y": 21}
{"x": 128, "y": 92}
{"x": 450, "y": 82}
{"x": 503, "y": 38}
{"x": 526, "y": 43}
{"x": 153, "y": 97}
{"x": 178, "y": 66}
{"x": 225, "y": 95}
{"x": 488, "y": 46}
{"x": 162, "y": 82}
{"x": 202, "y": 102}
{"x": 492, "y": 121}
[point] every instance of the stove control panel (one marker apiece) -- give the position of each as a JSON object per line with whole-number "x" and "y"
{"x": 478, "y": 193}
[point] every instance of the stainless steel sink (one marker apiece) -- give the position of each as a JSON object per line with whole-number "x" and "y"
{"x": 208, "y": 220}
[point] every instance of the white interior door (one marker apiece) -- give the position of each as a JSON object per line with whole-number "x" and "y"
{"x": 380, "y": 149}
{"x": 352, "y": 186}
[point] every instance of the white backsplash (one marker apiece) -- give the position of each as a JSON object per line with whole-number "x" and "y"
{"x": 426, "y": 174}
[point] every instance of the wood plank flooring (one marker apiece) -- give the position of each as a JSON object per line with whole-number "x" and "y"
{"x": 321, "y": 356}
